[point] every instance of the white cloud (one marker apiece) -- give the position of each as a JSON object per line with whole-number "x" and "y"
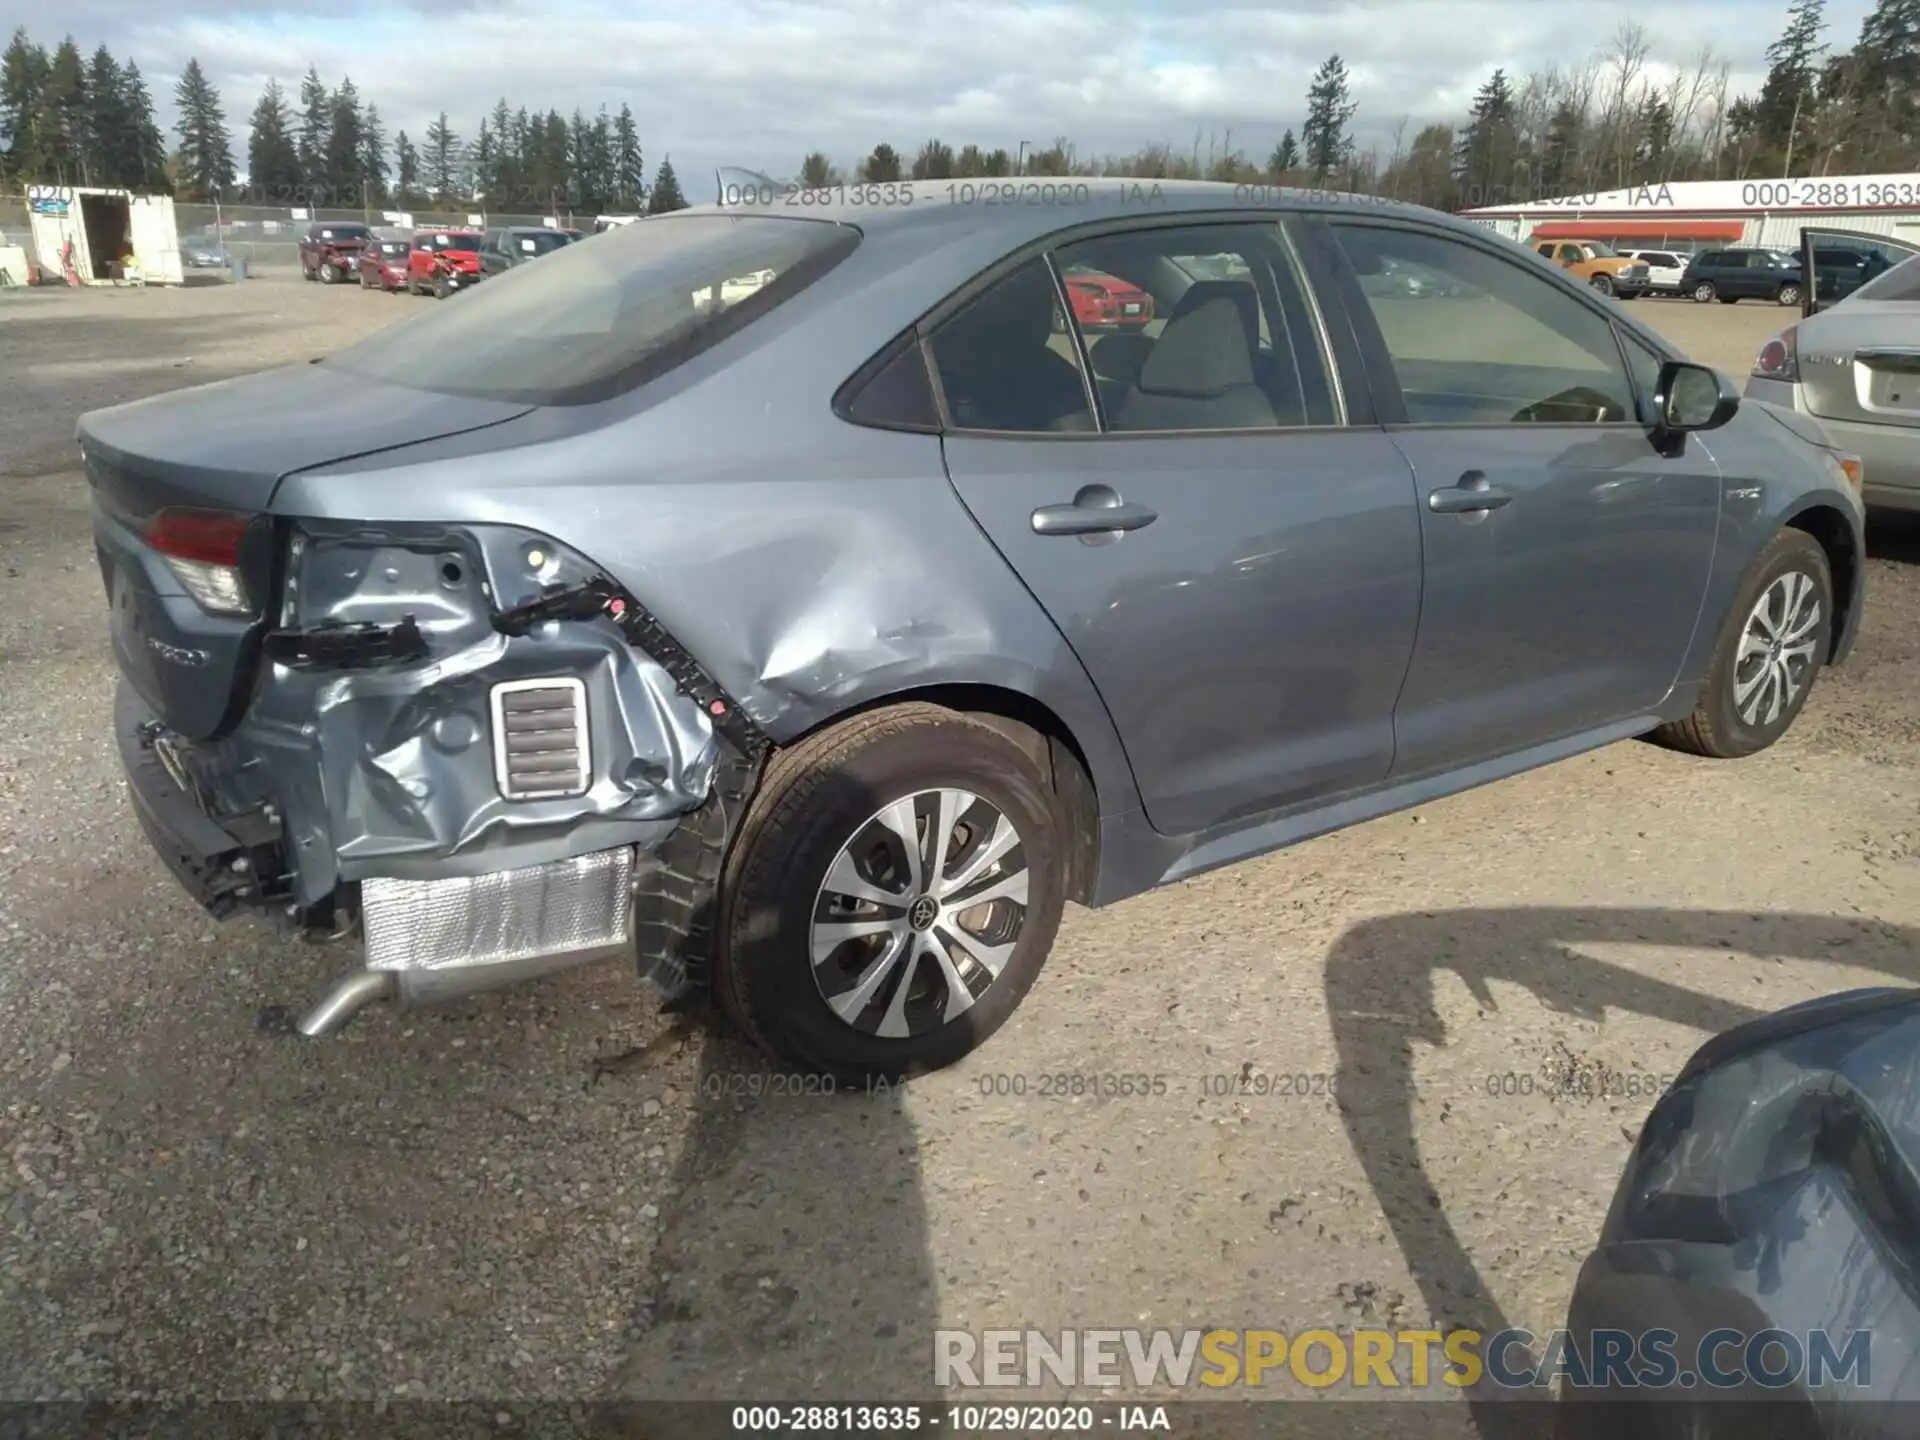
{"x": 760, "y": 82}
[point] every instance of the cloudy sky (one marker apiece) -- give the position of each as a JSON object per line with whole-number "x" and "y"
{"x": 759, "y": 82}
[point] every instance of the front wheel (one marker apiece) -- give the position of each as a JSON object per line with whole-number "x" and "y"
{"x": 329, "y": 273}
{"x": 439, "y": 287}
{"x": 892, "y": 893}
{"x": 1771, "y": 647}
{"x": 1789, "y": 294}
{"x": 1602, "y": 283}
{"x": 1704, "y": 293}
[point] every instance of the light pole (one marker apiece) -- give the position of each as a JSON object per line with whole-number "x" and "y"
{"x": 1020, "y": 165}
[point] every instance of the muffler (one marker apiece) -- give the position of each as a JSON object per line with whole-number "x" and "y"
{"x": 433, "y": 940}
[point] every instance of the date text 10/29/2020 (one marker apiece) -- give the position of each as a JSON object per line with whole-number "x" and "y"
{"x": 896, "y": 194}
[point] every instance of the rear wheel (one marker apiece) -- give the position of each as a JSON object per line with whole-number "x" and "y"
{"x": 1771, "y": 647}
{"x": 892, "y": 893}
{"x": 1789, "y": 294}
{"x": 1704, "y": 293}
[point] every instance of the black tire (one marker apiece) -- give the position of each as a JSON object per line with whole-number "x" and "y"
{"x": 1602, "y": 283}
{"x": 813, "y": 800}
{"x": 440, "y": 287}
{"x": 1789, "y": 294}
{"x": 306, "y": 273}
{"x": 1729, "y": 299}
{"x": 1715, "y": 728}
{"x": 1704, "y": 293}
{"x": 329, "y": 273}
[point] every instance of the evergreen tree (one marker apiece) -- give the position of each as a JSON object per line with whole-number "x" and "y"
{"x": 206, "y": 150}
{"x": 1888, "y": 95}
{"x": 406, "y": 170}
{"x": 104, "y": 149}
{"x": 1560, "y": 169}
{"x": 882, "y": 165}
{"x": 997, "y": 164}
{"x": 483, "y": 166}
{"x": 629, "y": 166}
{"x": 934, "y": 162}
{"x": 373, "y": 153}
{"x": 666, "y": 194}
{"x": 346, "y": 145}
{"x": 147, "y": 147}
{"x": 1483, "y": 160}
{"x": 23, "y": 76}
{"x": 971, "y": 161}
{"x": 316, "y": 125}
{"x": 441, "y": 162}
{"x": 1285, "y": 158}
{"x": 1787, "y": 97}
{"x": 274, "y": 175}
{"x": 62, "y": 124}
{"x": 602, "y": 174}
{"x": 1330, "y": 109}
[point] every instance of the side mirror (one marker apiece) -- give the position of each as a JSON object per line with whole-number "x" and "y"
{"x": 1693, "y": 397}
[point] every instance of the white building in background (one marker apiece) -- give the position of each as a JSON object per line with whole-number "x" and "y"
{"x": 92, "y": 228}
{"x": 1704, "y": 214}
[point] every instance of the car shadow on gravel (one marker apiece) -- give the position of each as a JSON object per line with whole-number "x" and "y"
{"x": 1541, "y": 950}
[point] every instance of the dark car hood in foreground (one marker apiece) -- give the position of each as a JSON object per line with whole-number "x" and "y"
{"x": 230, "y": 443}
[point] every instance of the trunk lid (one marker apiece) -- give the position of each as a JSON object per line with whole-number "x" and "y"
{"x": 225, "y": 448}
{"x": 1861, "y": 362}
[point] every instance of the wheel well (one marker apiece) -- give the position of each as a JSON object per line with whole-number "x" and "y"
{"x": 1830, "y": 528}
{"x": 1035, "y": 728}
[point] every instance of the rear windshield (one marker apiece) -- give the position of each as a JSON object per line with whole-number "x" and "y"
{"x": 597, "y": 320}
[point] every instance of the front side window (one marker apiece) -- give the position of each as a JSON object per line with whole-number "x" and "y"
{"x": 1198, "y": 327}
{"x": 595, "y": 321}
{"x": 1005, "y": 361}
{"x": 1510, "y": 347}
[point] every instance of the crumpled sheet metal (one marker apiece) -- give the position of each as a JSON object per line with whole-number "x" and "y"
{"x": 390, "y": 772}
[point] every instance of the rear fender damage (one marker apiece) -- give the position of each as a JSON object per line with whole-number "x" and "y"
{"x": 370, "y": 734}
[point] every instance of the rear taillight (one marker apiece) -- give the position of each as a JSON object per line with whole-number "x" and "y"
{"x": 202, "y": 548}
{"x": 1779, "y": 358}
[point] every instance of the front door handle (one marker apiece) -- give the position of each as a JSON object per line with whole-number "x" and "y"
{"x": 1096, "y": 510}
{"x": 1471, "y": 495}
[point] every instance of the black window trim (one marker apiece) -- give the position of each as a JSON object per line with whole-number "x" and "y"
{"x": 882, "y": 360}
{"x": 1044, "y": 248}
{"x": 1388, "y": 399}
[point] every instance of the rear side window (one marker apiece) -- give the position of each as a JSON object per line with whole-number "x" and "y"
{"x": 594, "y": 321}
{"x": 1006, "y": 362}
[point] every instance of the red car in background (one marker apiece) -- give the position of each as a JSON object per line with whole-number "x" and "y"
{"x": 383, "y": 264}
{"x": 1105, "y": 302}
{"x": 443, "y": 261}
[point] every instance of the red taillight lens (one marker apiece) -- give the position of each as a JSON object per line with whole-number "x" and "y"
{"x": 211, "y": 537}
{"x": 1779, "y": 358}
{"x": 202, "y": 549}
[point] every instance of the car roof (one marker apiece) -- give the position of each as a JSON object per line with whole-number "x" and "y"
{"x": 1025, "y": 209}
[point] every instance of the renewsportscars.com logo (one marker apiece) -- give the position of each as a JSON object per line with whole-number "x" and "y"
{"x": 1517, "y": 1360}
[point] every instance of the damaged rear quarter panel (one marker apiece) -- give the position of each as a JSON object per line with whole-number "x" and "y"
{"x": 810, "y": 565}
{"x": 389, "y": 770}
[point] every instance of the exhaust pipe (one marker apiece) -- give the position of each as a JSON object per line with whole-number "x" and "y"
{"x": 346, "y": 1000}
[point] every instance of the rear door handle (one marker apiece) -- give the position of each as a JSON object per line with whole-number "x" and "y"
{"x": 1472, "y": 494}
{"x": 1096, "y": 510}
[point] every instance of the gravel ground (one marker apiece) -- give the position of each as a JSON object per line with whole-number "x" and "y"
{"x": 555, "y": 1192}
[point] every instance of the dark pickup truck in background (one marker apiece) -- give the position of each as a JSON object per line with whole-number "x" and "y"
{"x": 330, "y": 252}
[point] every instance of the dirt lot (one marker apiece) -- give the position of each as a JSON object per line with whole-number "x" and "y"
{"x": 552, "y": 1193}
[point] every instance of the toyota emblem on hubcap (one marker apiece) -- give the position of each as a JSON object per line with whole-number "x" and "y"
{"x": 924, "y": 912}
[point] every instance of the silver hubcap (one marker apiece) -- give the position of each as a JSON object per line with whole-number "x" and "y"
{"x": 919, "y": 913}
{"x": 1776, "y": 659}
